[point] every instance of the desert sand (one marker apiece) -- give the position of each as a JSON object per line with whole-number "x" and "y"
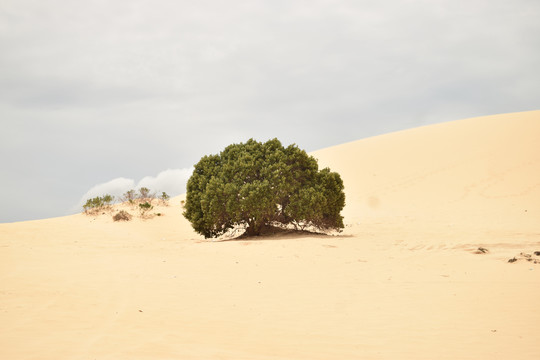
{"x": 405, "y": 280}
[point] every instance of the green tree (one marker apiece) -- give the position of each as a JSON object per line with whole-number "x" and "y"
{"x": 257, "y": 184}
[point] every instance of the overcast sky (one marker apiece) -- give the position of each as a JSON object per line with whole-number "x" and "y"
{"x": 109, "y": 94}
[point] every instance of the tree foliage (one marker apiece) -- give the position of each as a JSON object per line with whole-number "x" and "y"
{"x": 257, "y": 184}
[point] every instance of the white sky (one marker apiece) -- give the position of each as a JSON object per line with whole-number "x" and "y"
{"x": 99, "y": 93}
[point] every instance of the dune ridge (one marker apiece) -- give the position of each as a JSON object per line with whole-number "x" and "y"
{"x": 406, "y": 278}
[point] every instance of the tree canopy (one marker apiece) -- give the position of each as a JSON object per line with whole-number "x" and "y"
{"x": 256, "y": 184}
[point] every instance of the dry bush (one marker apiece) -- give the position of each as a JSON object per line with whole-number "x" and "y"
{"x": 128, "y": 196}
{"x": 146, "y": 196}
{"x": 122, "y": 215}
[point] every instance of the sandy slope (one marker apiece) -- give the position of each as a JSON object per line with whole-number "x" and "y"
{"x": 402, "y": 282}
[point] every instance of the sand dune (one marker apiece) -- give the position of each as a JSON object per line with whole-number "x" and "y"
{"x": 474, "y": 176}
{"x": 405, "y": 280}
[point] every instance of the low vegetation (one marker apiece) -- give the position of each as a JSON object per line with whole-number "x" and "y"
{"x": 144, "y": 208}
{"x": 164, "y": 198}
{"x": 98, "y": 204}
{"x": 141, "y": 201}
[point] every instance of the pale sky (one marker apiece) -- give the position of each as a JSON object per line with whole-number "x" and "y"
{"x": 102, "y": 95}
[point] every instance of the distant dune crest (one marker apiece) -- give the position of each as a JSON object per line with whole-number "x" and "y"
{"x": 479, "y": 172}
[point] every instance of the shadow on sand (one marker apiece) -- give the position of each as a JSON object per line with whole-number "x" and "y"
{"x": 277, "y": 233}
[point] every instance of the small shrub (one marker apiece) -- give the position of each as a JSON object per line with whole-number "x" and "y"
{"x": 122, "y": 215}
{"x": 164, "y": 198}
{"x": 144, "y": 193}
{"x": 97, "y": 204}
{"x": 108, "y": 199}
{"x": 144, "y": 208}
{"x": 129, "y": 196}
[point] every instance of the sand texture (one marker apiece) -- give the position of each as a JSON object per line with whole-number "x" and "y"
{"x": 405, "y": 280}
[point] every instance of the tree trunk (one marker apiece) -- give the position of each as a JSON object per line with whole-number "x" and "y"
{"x": 254, "y": 228}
